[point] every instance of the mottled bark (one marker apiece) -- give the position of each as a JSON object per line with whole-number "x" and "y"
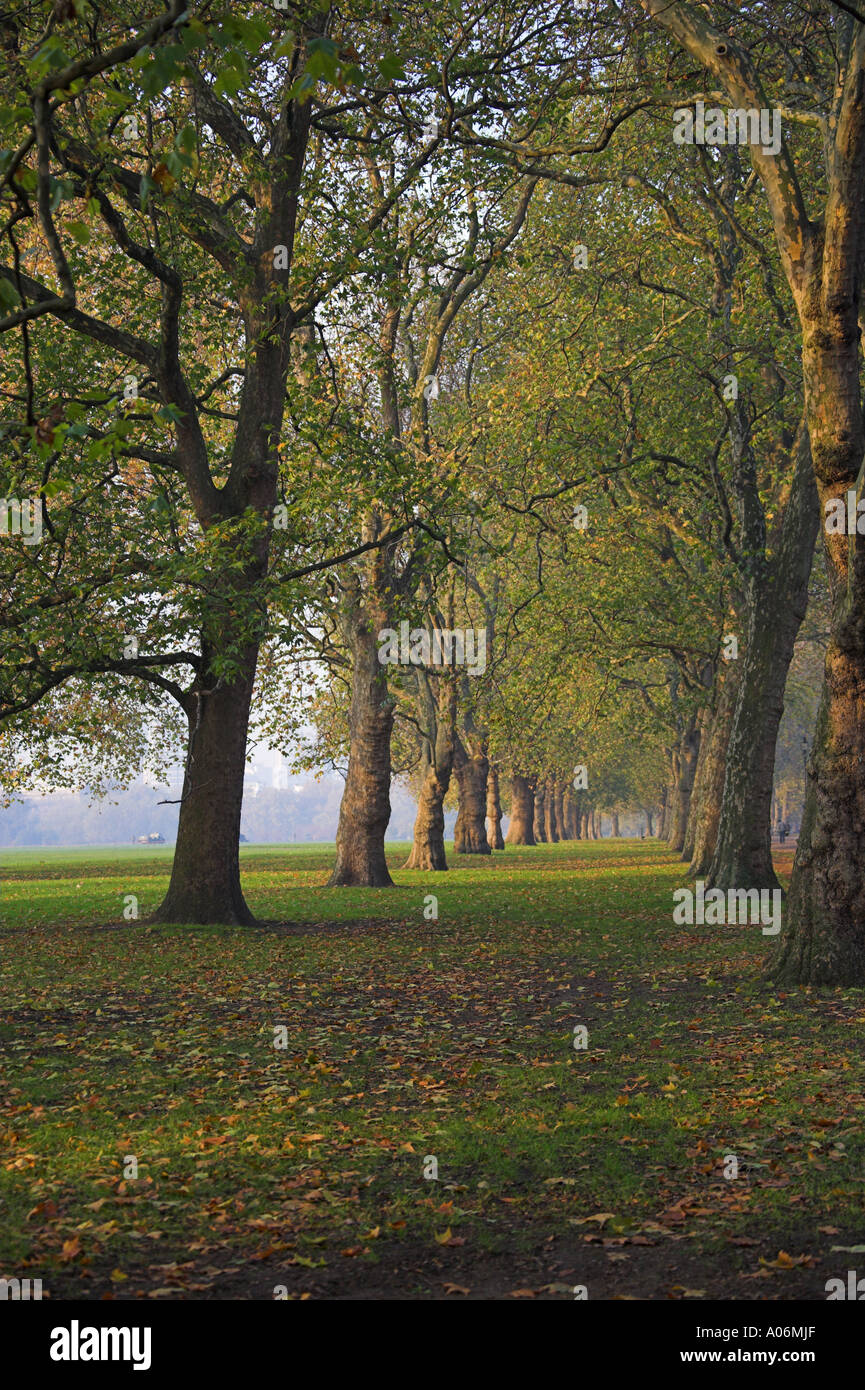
{"x": 615, "y": 824}
{"x": 470, "y": 770}
{"x": 428, "y": 844}
{"x": 205, "y": 874}
{"x": 669, "y": 797}
{"x": 521, "y": 828}
{"x": 365, "y": 809}
{"x": 822, "y": 252}
{"x": 705, "y": 726}
{"x": 688, "y": 753}
{"x": 713, "y": 770}
{"x": 494, "y": 810}
{"x": 539, "y": 827}
{"x": 823, "y": 941}
{"x": 777, "y": 602}
{"x": 823, "y": 933}
{"x": 436, "y": 717}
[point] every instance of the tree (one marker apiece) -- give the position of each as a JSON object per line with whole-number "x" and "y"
{"x": 199, "y": 159}
{"x": 823, "y": 941}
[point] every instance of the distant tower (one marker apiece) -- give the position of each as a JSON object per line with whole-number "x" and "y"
{"x": 280, "y": 774}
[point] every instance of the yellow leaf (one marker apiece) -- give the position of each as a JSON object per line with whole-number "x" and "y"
{"x": 164, "y": 178}
{"x": 602, "y": 1217}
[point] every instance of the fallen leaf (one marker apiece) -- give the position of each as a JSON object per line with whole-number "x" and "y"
{"x": 601, "y": 1217}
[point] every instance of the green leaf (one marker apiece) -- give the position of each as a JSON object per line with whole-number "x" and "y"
{"x": 80, "y": 231}
{"x": 285, "y": 47}
{"x": 9, "y": 296}
{"x": 187, "y": 139}
{"x": 391, "y": 68}
{"x": 230, "y": 81}
{"x": 27, "y": 178}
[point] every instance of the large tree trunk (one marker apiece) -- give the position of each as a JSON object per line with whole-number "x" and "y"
{"x": 204, "y": 887}
{"x": 470, "y": 770}
{"x": 365, "y": 810}
{"x": 822, "y": 251}
{"x": 669, "y": 796}
{"x": 650, "y": 825}
{"x": 823, "y": 942}
{"x": 712, "y": 771}
{"x": 428, "y": 846}
{"x": 823, "y": 934}
{"x": 689, "y": 750}
{"x": 706, "y": 722}
{"x": 743, "y": 854}
{"x": 521, "y": 830}
{"x": 540, "y": 820}
{"x": 494, "y": 810}
{"x": 615, "y": 824}
{"x": 436, "y": 717}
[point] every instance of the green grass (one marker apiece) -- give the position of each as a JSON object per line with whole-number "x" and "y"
{"x": 407, "y": 1038}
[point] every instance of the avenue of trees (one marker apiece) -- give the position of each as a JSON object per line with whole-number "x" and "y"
{"x": 325, "y": 322}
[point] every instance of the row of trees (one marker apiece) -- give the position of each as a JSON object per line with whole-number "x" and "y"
{"x": 307, "y": 344}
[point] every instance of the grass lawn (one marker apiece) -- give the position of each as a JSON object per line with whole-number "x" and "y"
{"x": 407, "y": 1040}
